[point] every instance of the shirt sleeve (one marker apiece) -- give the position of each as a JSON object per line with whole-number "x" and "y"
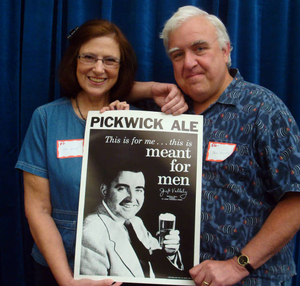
{"x": 33, "y": 155}
{"x": 278, "y": 151}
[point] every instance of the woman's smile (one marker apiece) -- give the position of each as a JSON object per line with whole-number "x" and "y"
{"x": 96, "y": 80}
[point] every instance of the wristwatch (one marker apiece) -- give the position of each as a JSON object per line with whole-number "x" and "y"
{"x": 243, "y": 260}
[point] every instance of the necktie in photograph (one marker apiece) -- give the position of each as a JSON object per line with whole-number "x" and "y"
{"x": 141, "y": 251}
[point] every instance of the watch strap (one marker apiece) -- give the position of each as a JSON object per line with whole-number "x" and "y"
{"x": 247, "y": 265}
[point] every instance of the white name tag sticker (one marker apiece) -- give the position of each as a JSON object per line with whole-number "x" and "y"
{"x": 218, "y": 152}
{"x": 69, "y": 148}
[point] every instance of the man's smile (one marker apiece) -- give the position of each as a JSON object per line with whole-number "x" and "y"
{"x": 194, "y": 75}
{"x": 128, "y": 204}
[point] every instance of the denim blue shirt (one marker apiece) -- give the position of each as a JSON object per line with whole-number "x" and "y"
{"x": 240, "y": 192}
{"x": 50, "y": 123}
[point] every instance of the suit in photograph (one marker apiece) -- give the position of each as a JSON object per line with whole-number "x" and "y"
{"x": 106, "y": 248}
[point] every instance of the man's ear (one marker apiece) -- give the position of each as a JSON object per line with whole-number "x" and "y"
{"x": 226, "y": 51}
{"x": 103, "y": 189}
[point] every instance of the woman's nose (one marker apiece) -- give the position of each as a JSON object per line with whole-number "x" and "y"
{"x": 99, "y": 67}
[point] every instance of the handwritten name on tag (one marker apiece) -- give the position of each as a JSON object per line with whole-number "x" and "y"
{"x": 69, "y": 148}
{"x": 218, "y": 152}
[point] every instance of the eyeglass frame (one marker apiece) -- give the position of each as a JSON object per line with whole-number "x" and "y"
{"x": 99, "y": 59}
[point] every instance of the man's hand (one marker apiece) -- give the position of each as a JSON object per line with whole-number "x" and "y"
{"x": 116, "y": 105}
{"x": 218, "y": 273}
{"x": 169, "y": 98}
{"x": 171, "y": 242}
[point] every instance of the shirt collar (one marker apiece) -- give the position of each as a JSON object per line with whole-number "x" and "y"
{"x": 230, "y": 95}
{"x": 115, "y": 218}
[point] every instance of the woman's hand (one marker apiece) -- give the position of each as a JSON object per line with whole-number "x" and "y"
{"x": 166, "y": 95}
{"x": 169, "y": 97}
{"x": 116, "y": 105}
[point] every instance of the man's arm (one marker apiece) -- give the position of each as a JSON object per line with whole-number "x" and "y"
{"x": 166, "y": 95}
{"x": 280, "y": 227}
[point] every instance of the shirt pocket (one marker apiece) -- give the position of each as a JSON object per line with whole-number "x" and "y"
{"x": 236, "y": 171}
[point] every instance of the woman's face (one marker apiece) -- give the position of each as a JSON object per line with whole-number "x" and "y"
{"x": 96, "y": 80}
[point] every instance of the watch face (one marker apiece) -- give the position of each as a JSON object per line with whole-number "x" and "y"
{"x": 243, "y": 260}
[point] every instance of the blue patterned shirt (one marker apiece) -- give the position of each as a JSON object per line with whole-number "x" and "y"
{"x": 240, "y": 192}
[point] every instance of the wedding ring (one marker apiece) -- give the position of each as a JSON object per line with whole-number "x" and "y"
{"x": 205, "y": 283}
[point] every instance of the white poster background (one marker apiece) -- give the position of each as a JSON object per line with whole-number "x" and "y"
{"x": 160, "y": 126}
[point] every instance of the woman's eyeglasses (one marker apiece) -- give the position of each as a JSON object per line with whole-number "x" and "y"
{"x": 109, "y": 62}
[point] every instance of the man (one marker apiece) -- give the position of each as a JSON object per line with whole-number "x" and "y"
{"x": 251, "y": 182}
{"x": 109, "y": 234}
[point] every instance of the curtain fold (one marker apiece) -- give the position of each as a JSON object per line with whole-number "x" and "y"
{"x": 265, "y": 39}
{"x": 11, "y": 246}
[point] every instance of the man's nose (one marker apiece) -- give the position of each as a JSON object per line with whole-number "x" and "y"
{"x": 190, "y": 60}
{"x": 131, "y": 194}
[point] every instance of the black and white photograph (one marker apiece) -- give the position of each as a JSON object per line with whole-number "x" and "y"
{"x": 138, "y": 220}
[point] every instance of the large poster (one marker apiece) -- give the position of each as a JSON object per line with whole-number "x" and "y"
{"x": 140, "y": 198}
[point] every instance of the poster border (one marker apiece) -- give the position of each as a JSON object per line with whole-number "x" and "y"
{"x": 197, "y": 223}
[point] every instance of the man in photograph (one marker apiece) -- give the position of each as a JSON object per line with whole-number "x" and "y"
{"x": 115, "y": 242}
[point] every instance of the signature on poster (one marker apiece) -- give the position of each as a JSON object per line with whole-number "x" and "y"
{"x": 173, "y": 194}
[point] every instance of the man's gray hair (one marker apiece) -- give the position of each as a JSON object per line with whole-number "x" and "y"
{"x": 185, "y": 13}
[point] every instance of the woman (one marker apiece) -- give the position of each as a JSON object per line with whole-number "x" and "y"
{"x": 98, "y": 67}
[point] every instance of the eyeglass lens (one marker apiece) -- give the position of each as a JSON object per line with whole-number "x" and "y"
{"x": 91, "y": 59}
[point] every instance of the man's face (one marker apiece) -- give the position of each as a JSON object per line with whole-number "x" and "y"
{"x": 125, "y": 196}
{"x": 199, "y": 63}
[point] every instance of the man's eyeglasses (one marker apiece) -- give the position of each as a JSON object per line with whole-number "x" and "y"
{"x": 109, "y": 62}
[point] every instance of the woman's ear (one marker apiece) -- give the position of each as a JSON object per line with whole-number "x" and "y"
{"x": 103, "y": 189}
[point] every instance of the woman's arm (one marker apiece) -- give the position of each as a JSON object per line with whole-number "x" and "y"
{"x": 166, "y": 95}
{"x": 45, "y": 233}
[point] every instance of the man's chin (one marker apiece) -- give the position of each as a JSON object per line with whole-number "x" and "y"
{"x": 128, "y": 213}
